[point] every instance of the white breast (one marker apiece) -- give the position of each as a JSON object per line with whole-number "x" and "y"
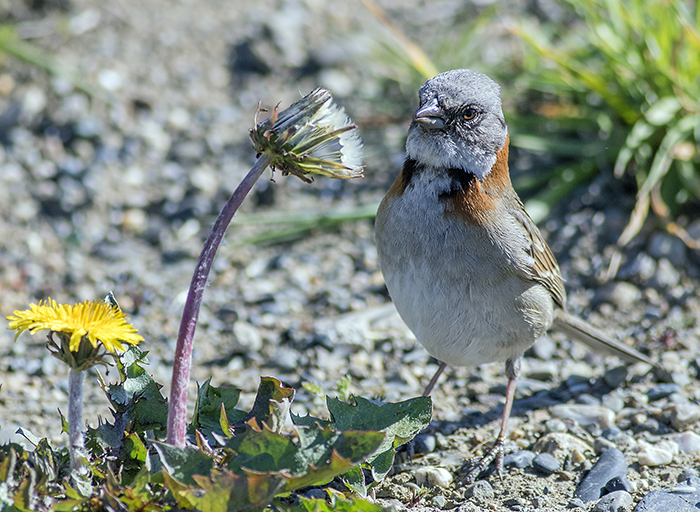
{"x": 453, "y": 283}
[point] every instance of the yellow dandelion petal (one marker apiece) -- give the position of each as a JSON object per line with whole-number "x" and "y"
{"x": 97, "y": 320}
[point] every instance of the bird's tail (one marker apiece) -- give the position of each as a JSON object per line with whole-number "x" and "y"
{"x": 595, "y": 339}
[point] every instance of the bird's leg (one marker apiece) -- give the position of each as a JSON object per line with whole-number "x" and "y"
{"x": 435, "y": 378}
{"x": 476, "y": 466}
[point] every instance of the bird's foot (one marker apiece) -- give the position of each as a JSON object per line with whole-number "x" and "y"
{"x": 476, "y": 465}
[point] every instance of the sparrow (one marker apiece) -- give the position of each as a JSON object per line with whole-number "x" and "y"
{"x": 465, "y": 265}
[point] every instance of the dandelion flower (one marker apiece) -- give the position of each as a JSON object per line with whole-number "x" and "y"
{"x": 313, "y": 135}
{"x": 98, "y": 321}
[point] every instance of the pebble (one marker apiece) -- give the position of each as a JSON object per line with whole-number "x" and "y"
{"x": 555, "y": 425}
{"x": 611, "y": 464}
{"x": 663, "y": 245}
{"x": 688, "y": 442}
{"x": 622, "y": 294}
{"x": 682, "y": 415}
{"x": 662, "y": 391}
{"x": 654, "y": 456}
{"x": 640, "y": 269}
{"x": 617, "y": 501}
{"x": 433, "y": 477}
{"x": 576, "y": 503}
{"x": 619, "y": 483}
{"x": 615, "y": 377}
{"x": 666, "y": 276}
{"x": 545, "y": 463}
{"x": 439, "y": 501}
{"x": 479, "y": 491}
{"x": 544, "y": 348}
{"x": 520, "y": 459}
{"x": 560, "y": 445}
{"x": 666, "y": 500}
{"x": 585, "y": 414}
{"x": 424, "y": 443}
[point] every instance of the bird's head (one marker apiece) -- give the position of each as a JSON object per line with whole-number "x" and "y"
{"x": 459, "y": 123}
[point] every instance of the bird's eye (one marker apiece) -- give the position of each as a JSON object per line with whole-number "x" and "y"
{"x": 469, "y": 114}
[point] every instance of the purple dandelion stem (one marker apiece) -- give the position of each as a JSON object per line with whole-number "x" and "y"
{"x": 177, "y": 409}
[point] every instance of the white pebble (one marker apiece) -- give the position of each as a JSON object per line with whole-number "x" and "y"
{"x": 653, "y": 456}
{"x": 688, "y": 442}
{"x": 585, "y": 414}
{"x": 433, "y": 477}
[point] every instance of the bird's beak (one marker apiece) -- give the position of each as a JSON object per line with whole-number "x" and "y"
{"x": 430, "y": 116}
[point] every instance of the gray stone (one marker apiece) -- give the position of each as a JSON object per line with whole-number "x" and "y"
{"x": 479, "y": 491}
{"x": 520, "y": 459}
{"x": 615, "y": 377}
{"x": 439, "y": 501}
{"x": 545, "y": 463}
{"x": 424, "y": 443}
{"x": 662, "y": 391}
{"x": 619, "y": 483}
{"x": 666, "y": 276}
{"x": 576, "y": 503}
{"x": 617, "y": 501}
{"x": 641, "y": 268}
{"x": 611, "y": 464}
{"x": 663, "y": 245}
{"x": 544, "y": 348}
{"x": 683, "y": 415}
{"x": 683, "y": 498}
{"x": 622, "y": 294}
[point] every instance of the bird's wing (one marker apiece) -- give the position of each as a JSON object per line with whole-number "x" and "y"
{"x": 543, "y": 266}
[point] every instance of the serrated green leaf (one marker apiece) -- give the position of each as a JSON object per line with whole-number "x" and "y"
{"x": 355, "y": 480}
{"x": 183, "y": 463}
{"x": 271, "y": 404}
{"x": 208, "y": 409}
{"x": 137, "y": 450}
{"x": 223, "y": 491}
{"x": 401, "y": 421}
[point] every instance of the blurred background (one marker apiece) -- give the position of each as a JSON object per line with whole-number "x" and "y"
{"x": 124, "y": 128}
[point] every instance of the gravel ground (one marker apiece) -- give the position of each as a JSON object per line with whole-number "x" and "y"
{"x": 116, "y": 191}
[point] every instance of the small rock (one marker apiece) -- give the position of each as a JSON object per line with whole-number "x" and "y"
{"x": 662, "y": 391}
{"x": 615, "y": 377}
{"x": 612, "y": 434}
{"x": 545, "y": 463}
{"x": 514, "y": 502}
{"x": 424, "y": 443}
{"x": 619, "y": 483}
{"x": 610, "y": 465}
{"x": 544, "y": 348}
{"x": 640, "y": 269}
{"x": 683, "y": 415}
{"x": 620, "y": 294}
{"x": 555, "y": 425}
{"x": 601, "y": 445}
{"x": 576, "y": 503}
{"x": 654, "y": 456}
{"x": 614, "y": 402}
{"x": 439, "y": 501}
{"x": 667, "y": 500}
{"x": 520, "y": 459}
{"x": 585, "y": 414}
{"x": 666, "y": 276}
{"x": 247, "y": 336}
{"x": 663, "y": 245}
{"x": 687, "y": 473}
{"x": 586, "y": 399}
{"x": 433, "y": 477}
{"x": 688, "y": 442}
{"x": 617, "y": 501}
{"x": 560, "y": 445}
{"x": 479, "y": 491}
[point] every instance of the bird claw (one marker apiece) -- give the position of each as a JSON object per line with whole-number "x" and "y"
{"x": 477, "y": 465}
